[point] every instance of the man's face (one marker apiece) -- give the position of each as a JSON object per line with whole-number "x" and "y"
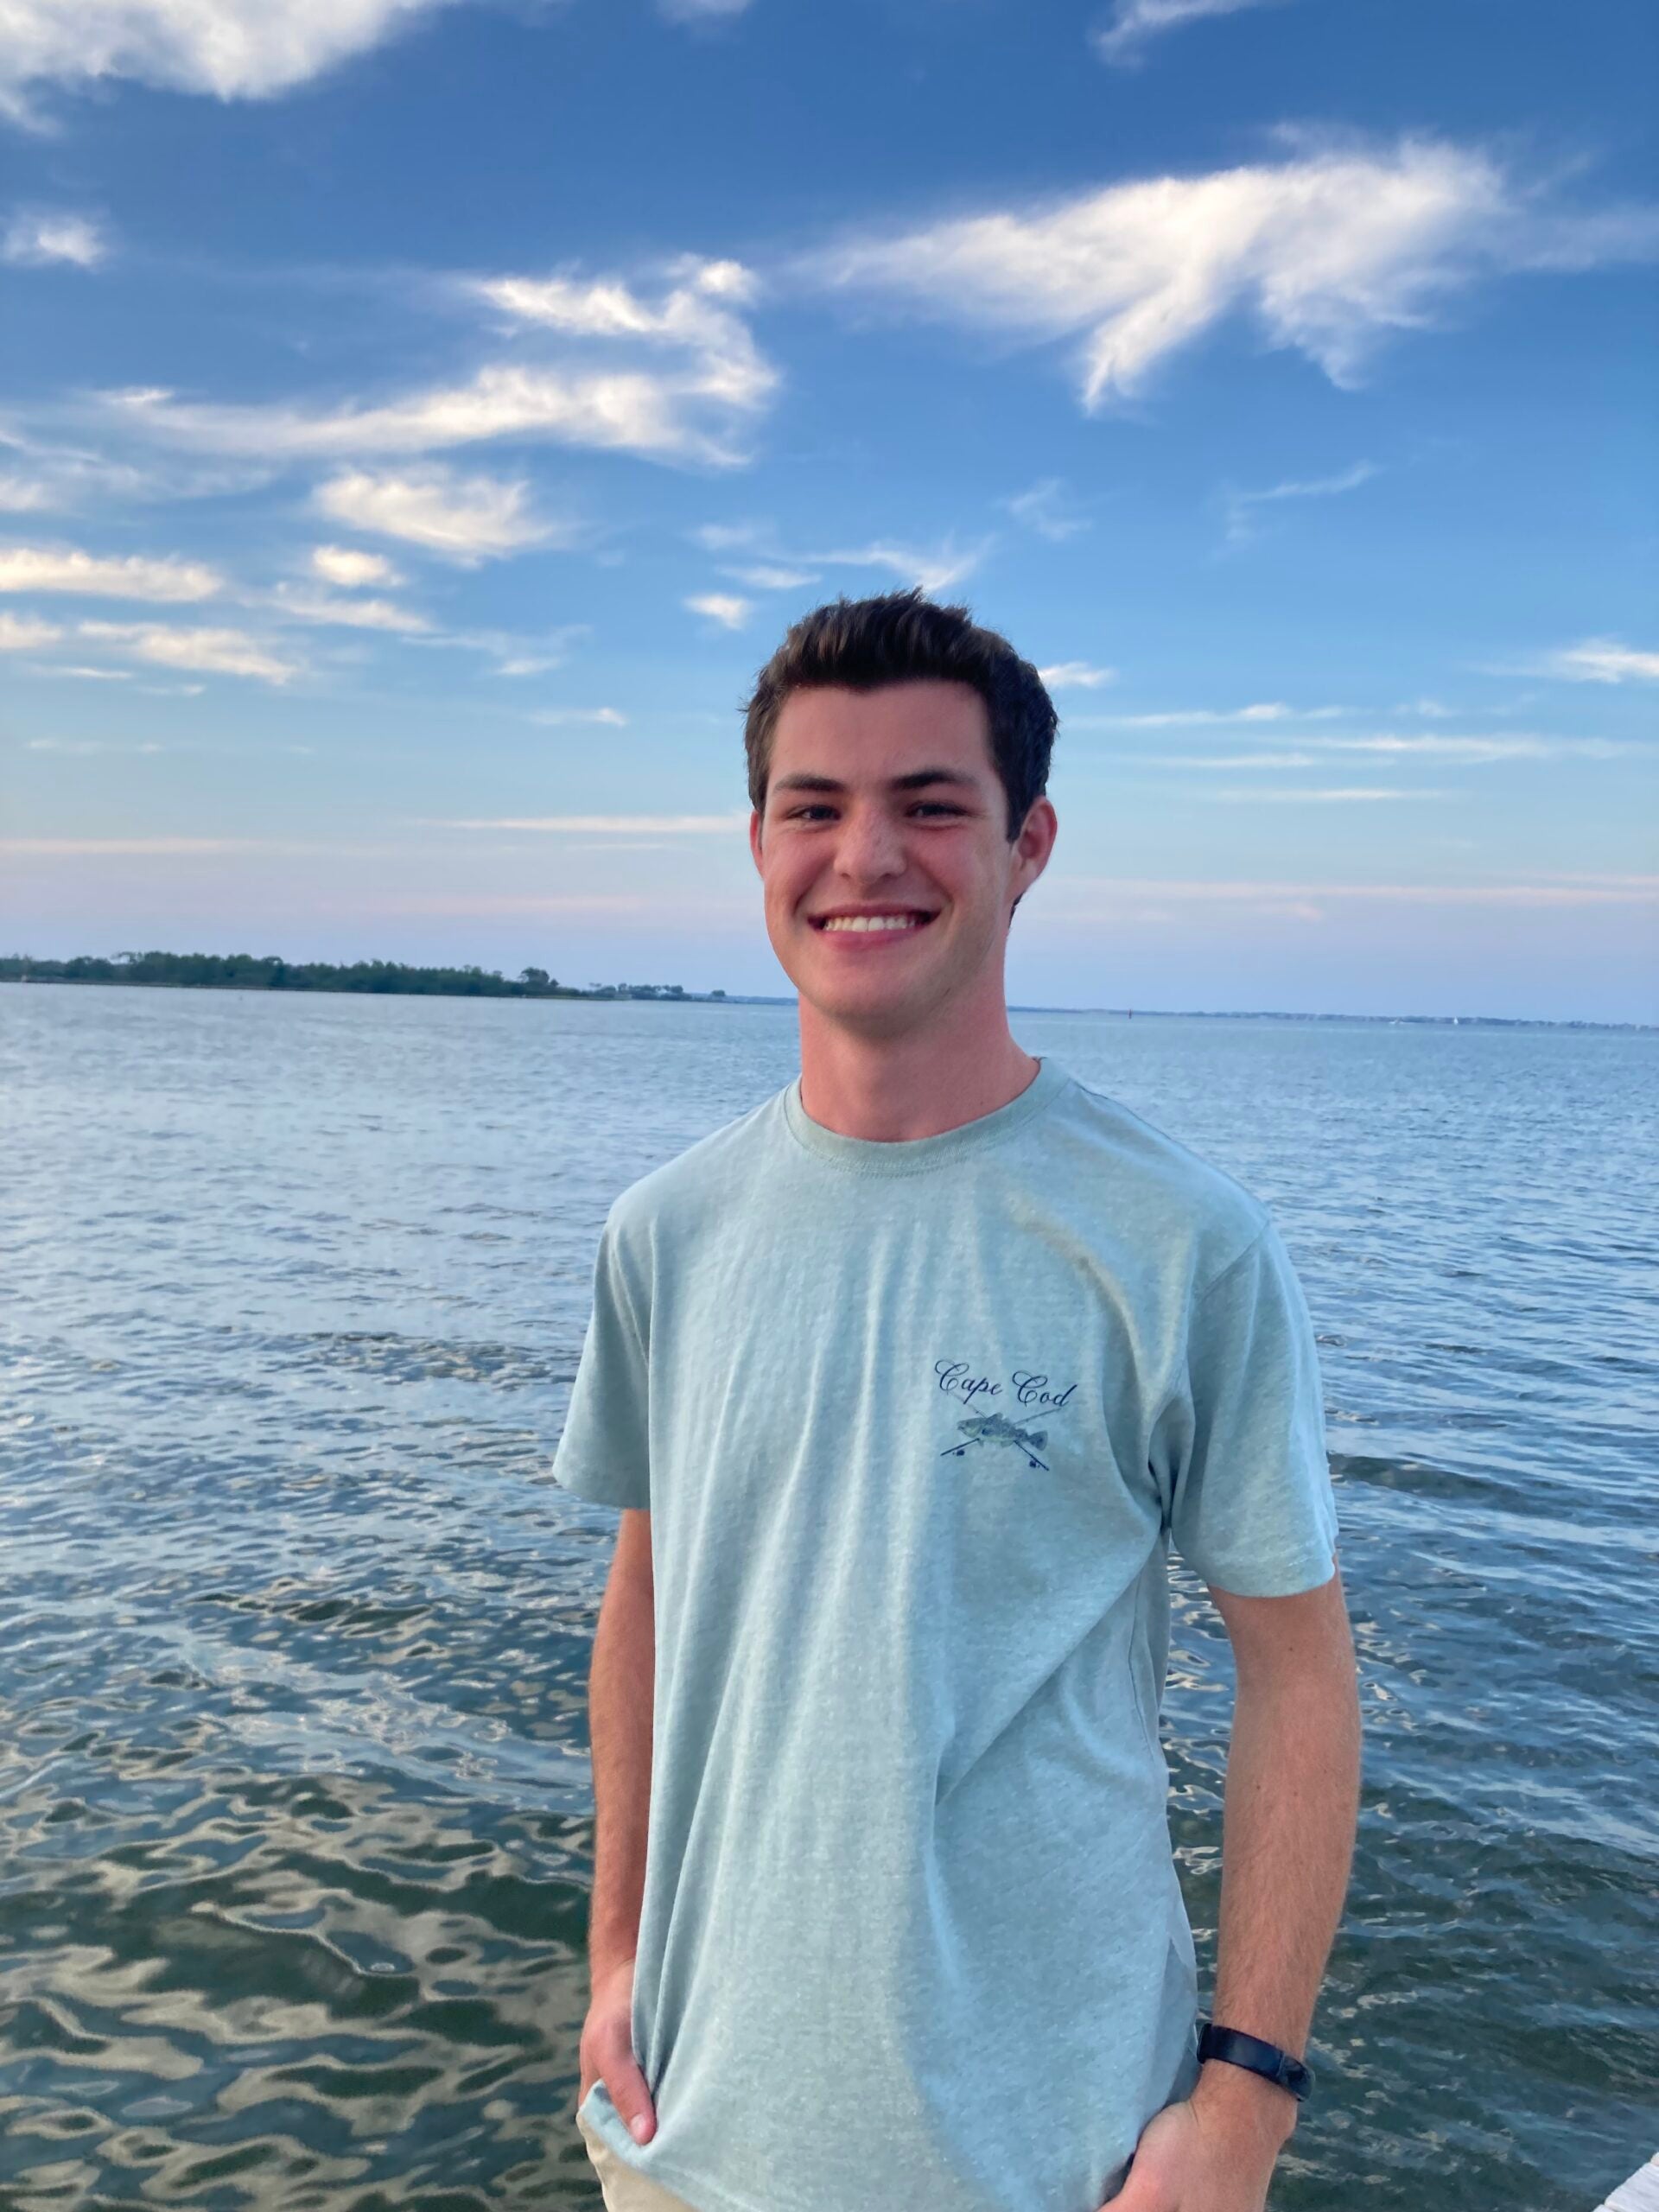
{"x": 884, "y": 851}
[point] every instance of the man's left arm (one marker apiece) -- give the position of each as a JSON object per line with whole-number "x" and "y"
{"x": 1288, "y": 1822}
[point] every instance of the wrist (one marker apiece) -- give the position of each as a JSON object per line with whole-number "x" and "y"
{"x": 1244, "y": 2103}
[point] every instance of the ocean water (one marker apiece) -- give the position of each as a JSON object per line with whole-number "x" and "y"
{"x": 295, "y": 1814}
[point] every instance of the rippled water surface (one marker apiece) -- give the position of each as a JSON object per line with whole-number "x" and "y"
{"x": 295, "y": 1814}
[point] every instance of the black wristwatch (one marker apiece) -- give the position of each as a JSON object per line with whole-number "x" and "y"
{"x": 1237, "y": 2048}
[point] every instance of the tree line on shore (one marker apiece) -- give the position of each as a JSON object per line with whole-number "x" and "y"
{"x": 243, "y": 971}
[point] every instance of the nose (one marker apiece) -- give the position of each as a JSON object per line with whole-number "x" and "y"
{"x": 869, "y": 846}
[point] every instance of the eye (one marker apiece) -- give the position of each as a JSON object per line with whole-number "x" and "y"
{"x": 936, "y": 806}
{"x": 800, "y": 813}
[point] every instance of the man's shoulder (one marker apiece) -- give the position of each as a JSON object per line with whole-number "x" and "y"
{"x": 707, "y": 1175}
{"x": 1149, "y": 1188}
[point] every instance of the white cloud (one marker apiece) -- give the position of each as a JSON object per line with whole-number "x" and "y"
{"x": 1266, "y": 710}
{"x": 464, "y": 518}
{"x": 1329, "y": 252}
{"x": 772, "y": 579}
{"x": 675, "y": 412}
{"x": 558, "y": 716}
{"x": 690, "y": 825}
{"x": 1076, "y": 675}
{"x": 1045, "y": 509}
{"x": 21, "y": 634}
{"x": 350, "y": 614}
{"x": 1549, "y": 891}
{"x": 36, "y": 237}
{"x": 1472, "y": 752}
{"x": 733, "y": 537}
{"x": 724, "y": 608}
{"x": 345, "y": 566}
{"x": 1357, "y": 795}
{"x": 84, "y": 675}
{"x": 1137, "y": 21}
{"x": 513, "y": 655}
{"x": 221, "y": 652}
{"x": 62, "y": 476}
{"x": 65, "y": 568}
{"x": 1241, "y": 525}
{"x": 932, "y": 571}
{"x": 701, "y": 11}
{"x": 21, "y": 495}
{"x": 232, "y": 48}
{"x": 1604, "y": 660}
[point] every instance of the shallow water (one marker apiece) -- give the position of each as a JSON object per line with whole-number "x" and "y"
{"x": 295, "y": 1813}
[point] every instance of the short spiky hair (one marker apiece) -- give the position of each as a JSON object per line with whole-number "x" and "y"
{"x": 901, "y": 638}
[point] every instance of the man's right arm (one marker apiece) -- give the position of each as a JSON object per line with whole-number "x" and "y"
{"x": 621, "y": 1691}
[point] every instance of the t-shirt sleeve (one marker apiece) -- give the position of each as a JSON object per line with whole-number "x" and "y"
{"x": 604, "y": 1451}
{"x": 1238, "y": 1449}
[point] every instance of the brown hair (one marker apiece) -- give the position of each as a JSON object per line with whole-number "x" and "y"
{"x": 902, "y": 637}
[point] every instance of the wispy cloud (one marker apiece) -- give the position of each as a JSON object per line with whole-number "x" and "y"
{"x": 23, "y": 634}
{"x": 632, "y": 825}
{"x": 232, "y": 48}
{"x": 350, "y": 570}
{"x": 1046, "y": 509}
{"x": 1602, "y": 660}
{"x": 1241, "y": 506}
{"x": 685, "y": 409}
{"x": 764, "y": 578}
{"x": 220, "y": 653}
{"x": 556, "y": 717}
{"x": 931, "y": 568}
{"x": 66, "y": 569}
{"x": 724, "y": 608}
{"x": 1545, "y": 891}
{"x": 1135, "y": 22}
{"x": 1329, "y": 252}
{"x": 932, "y": 571}
{"x": 1471, "y": 752}
{"x": 1266, "y": 710}
{"x": 102, "y": 847}
{"x": 355, "y": 614}
{"x": 1076, "y": 675}
{"x": 466, "y": 519}
{"x": 701, "y": 11}
{"x": 24, "y": 495}
{"x": 36, "y": 237}
{"x": 1360, "y": 795}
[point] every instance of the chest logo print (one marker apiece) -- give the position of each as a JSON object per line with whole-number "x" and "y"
{"x": 997, "y": 1429}
{"x": 1029, "y": 1391}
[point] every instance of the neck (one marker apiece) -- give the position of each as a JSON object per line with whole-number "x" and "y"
{"x": 891, "y": 1089}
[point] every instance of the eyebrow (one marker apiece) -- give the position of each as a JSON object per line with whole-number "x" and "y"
{"x": 913, "y": 782}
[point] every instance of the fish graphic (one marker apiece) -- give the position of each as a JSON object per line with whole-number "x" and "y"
{"x": 997, "y": 1429}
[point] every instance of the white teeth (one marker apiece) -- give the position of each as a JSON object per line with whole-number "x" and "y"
{"x": 871, "y": 922}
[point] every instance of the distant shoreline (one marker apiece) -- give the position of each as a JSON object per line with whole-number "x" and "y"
{"x": 388, "y": 979}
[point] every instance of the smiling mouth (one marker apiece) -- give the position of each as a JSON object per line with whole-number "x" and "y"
{"x": 870, "y": 924}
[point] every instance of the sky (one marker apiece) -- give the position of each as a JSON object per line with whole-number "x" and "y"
{"x": 419, "y": 422}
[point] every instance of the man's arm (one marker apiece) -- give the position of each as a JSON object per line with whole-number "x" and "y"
{"x": 621, "y": 1695}
{"x": 1288, "y": 1822}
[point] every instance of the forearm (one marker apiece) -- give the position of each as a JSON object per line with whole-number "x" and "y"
{"x": 1288, "y": 1821}
{"x": 620, "y": 1691}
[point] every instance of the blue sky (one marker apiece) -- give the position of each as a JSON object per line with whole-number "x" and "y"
{"x": 418, "y": 422}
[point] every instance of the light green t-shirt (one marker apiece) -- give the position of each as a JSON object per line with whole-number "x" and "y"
{"x": 915, "y": 1423}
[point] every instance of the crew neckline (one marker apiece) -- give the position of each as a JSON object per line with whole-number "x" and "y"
{"x": 916, "y": 1155}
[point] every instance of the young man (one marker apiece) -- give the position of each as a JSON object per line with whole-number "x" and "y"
{"x": 905, "y": 1380}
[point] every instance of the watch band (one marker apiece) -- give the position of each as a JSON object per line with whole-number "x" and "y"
{"x": 1237, "y": 2049}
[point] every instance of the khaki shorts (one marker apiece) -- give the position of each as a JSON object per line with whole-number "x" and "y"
{"x": 624, "y": 2190}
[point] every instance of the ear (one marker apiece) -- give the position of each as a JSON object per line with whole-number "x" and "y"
{"x": 754, "y": 838}
{"x": 1033, "y": 845}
